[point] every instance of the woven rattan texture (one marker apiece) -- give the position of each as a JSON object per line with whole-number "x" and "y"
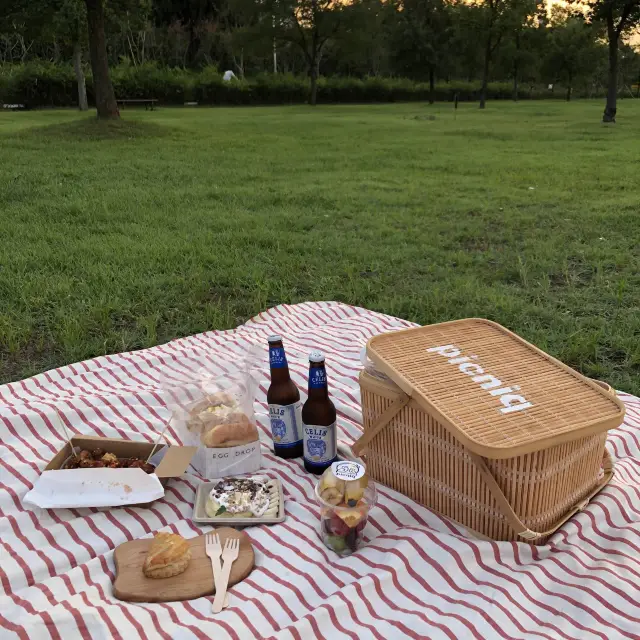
{"x": 417, "y": 456}
{"x": 497, "y": 393}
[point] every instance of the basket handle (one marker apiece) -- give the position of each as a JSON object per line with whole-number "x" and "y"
{"x": 517, "y": 524}
{"x": 383, "y": 420}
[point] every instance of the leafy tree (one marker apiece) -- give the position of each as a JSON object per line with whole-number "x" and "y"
{"x": 233, "y": 33}
{"x": 495, "y": 19}
{"x": 69, "y": 23}
{"x": 466, "y": 48}
{"x": 492, "y": 26}
{"x": 97, "y": 17}
{"x": 63, "y": 21}
{"x": 308, "y": 24}
{"x": 127, "y": 23}
{"x": 621, "y": 18}
{"x": 242, "y": 35}
{"x": 40, "y": 16}
{"x": 363, "y": 44}
{"x": 423, "y": 37}
{"x": 629, "y": 69}
{"x": 20, "y": 24}
{"x": 572, "y": 48}
{"x": 106, "y": 104}
{"x": 192, "y": 14}
{"x": 523, "y": 43}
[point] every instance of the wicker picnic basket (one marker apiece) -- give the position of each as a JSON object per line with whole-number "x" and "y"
{"x": 474, "y": 422}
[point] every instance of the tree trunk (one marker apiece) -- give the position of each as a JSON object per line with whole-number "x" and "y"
{"x": 25, "y": 49}
{"x": 569, "y": 92}
{"x": 275, "y": 52}
{"x": 313, "y": 95}
{"x": 77, "y": 67}
{"x": 194, "y": 45}
{"x": 612, "y": 89}
{"x": 106, "y": 104}
{"x": 56, "y": 52}
{"x": 432, "y": 85}
{"x": 241, "y": 65}
{"x": 516, "y": 68}
{"x": 143, "y": 53}
{"x": 485, "y": 74}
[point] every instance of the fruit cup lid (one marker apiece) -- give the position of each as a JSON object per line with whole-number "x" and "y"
{"x": 348, "y": 470}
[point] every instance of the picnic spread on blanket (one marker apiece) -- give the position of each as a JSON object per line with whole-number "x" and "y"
{"x": 451, "y": 480}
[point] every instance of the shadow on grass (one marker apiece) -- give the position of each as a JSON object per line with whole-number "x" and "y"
{"x": 92, "y": 129}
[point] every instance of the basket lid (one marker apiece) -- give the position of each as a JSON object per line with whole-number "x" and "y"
{"x": 496, "y": 393}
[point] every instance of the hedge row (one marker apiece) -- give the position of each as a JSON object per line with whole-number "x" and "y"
{"x": 46, "y": 84}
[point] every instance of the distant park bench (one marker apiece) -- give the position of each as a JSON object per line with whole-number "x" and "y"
{"x": 149, "y": 103}
{"x": 14, "y": 107}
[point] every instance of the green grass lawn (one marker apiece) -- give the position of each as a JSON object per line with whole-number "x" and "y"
{"x": 178, "y": 221}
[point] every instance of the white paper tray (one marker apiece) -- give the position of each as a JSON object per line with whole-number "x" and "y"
{"x": 77, "y": 488}
{"x": 200, "y": 515}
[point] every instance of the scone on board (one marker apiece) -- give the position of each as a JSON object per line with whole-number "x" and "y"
{"x": 169, "y": 555}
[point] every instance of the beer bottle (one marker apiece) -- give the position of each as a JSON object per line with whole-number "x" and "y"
{"x": 285, "y": 407}
{"x": 318, "y": 419}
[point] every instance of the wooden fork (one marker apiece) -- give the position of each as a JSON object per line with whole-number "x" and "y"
{"x": 214, "y": 549}
{"x": 229, "y": 555}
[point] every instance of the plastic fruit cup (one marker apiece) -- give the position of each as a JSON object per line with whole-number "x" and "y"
{"x": 342, "y": 528}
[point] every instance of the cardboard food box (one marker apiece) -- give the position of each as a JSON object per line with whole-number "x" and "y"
{"x": 103, "y": 487}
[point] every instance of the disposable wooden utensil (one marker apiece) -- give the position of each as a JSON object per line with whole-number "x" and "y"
{"x": 196, "y": 582}
{"x": 213, "y": 549}
{"x": 229, "y": 556}
{"x": 66, "y": 433}
{"x": 157, "y": 442}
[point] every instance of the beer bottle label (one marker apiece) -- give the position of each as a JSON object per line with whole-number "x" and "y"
{"x": 317, "y": 378}
{"x": 277, "y": 358}
{"x": 286, "y": 424}
{"x": 320, "y": 445}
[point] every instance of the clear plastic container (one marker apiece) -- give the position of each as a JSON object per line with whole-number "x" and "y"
{"x": 370, "y": 368}
{"x": 342, "y": 527}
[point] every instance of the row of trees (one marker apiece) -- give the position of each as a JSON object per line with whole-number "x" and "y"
{"x": 430, "y": 40}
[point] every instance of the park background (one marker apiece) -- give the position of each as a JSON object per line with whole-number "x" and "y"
{"x": 122, "y": 233}
{"x": 355, "y": 50}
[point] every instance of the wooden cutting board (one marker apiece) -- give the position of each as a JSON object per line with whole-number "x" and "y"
{"x": 132, "y": 585}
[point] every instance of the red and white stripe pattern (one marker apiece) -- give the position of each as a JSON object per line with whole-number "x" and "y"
{"x": 420, "y": 576}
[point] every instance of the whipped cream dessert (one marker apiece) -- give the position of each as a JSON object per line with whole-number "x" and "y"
{"x": 243, "y": 498}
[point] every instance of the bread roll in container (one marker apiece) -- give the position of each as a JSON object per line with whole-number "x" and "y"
{"x": 216, "y": 414}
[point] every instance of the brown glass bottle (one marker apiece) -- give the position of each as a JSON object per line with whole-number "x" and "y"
{"x": 285, "y": 407}
{"x": 318, "y": 419}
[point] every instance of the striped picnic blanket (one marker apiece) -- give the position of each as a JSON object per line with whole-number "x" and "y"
{"x": 420, "y": 576}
